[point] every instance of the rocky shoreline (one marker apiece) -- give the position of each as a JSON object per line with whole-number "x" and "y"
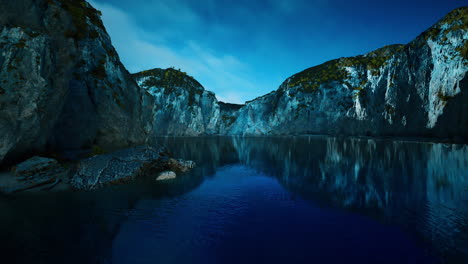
{"x": 47, "y": 174}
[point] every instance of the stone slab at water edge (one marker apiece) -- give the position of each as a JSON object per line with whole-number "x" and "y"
{"x": 123, "y": 166}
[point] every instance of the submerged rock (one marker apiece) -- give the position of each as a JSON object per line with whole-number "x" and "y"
{"x": 166, "y": 175}
{"x": 123, "y": 166}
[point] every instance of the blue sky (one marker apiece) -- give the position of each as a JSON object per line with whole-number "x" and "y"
{"x": 242, "y": 49}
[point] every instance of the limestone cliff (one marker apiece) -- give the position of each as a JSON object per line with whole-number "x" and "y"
{"x": 62, "y": 86}
{"x": 413, "y": 90}
{"x": 182, "y": 107}
{"x": 62, "y": 83}
{"x": 418, "y": 89}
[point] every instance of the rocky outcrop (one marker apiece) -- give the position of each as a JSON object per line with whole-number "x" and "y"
{"x": 62, "y": 84}
{"x": 123, "y": 166}
{"x": 182, "y": 107}
{"x": 413, "y": 90}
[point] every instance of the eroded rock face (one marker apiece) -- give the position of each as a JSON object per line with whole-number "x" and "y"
{"x": 415, "y": 90}
{"x": 182, "y": 107}
{"x": 61, "y": 82}
{"x": 123, "y": 166}
{"x": 62, "y": 86}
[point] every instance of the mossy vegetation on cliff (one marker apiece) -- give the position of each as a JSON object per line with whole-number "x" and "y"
{"x": 443, "y": 97}
{"x": 457, "y": 20}
{"x": 310, "y": 79}
{"x": 171, "y": 80}
{"x": 463, "y": 50}
{"x": 99, "y": 72}
{"x": 228, "y": 120}
{"x": 83, "y": 15}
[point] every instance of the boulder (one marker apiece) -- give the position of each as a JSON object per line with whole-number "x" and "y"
{"x": 166, "y": 175}
{"x": 36, "y": 167}
{"x": 123, "y": 166}
{"x": 35, "y": 174}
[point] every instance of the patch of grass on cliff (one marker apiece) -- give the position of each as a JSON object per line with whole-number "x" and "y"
{"x": 80, "y": 12}
{"x": 463, "y": 50}
{"x": 301, "y": 106}
{"x": 358, "y": 92}
{"x": 457, "y": 20}
{"x": 229, "y": 120}
{"x": 171, "y": 80}
{"x": 443, "y": 97}
{"x": 32, "y": 34}
{"x": 96, "y": 150}
{"x": 21, "y": 44}
{"x": 110, "y": 52}
{"x": 99, "y": 72}
{"x": 118, "y": 101}
{"x": 371, "y": 63}
{"x": 309, "y": 80}
{"x": 431, "y": 33}
{"x": 374, "y": 60}
{"x": 390, "y": 109}
{"x": 11, "y": 67}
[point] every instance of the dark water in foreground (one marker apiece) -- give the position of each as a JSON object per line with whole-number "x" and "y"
{"x": 260, "y": 200}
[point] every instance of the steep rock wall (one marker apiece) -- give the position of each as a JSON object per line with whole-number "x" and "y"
{"x": 413, "y": 90}
{"x": 417, "y": 89}
{"x": 182, "y": 107}
{"x": 62, "y": 84}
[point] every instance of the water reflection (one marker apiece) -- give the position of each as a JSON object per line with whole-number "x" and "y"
{"x": 420, "y": 188}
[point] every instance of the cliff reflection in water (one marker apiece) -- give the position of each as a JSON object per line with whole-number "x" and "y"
{"x": 420, "y": 186}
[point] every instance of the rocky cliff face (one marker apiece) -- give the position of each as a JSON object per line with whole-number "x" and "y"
{"x": 417, "y": 89}
{"x": 62, "y": 83}
{"x": 62, "y": 86}
{"x": 182, "y": 107}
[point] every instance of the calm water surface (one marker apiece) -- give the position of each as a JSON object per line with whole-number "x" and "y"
{"x": 260, "y": 200}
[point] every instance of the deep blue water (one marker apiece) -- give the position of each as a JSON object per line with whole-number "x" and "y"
{"x": 260, "y": 200}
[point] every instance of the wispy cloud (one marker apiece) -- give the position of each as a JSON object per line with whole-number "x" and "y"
{"x": 224, "y": 74}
